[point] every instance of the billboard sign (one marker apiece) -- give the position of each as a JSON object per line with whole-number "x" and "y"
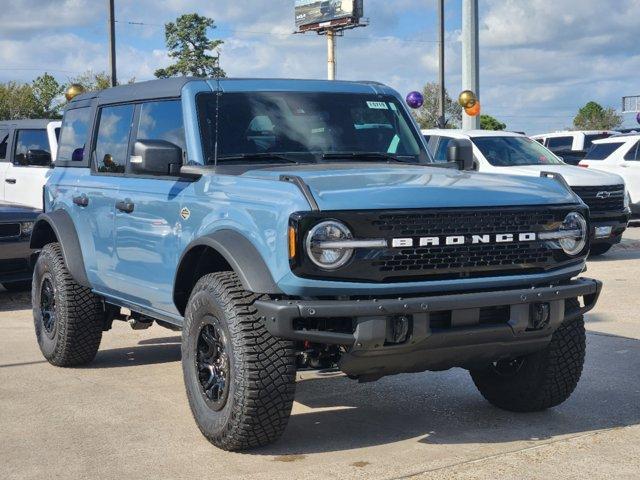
{"x": 320, "y": 14}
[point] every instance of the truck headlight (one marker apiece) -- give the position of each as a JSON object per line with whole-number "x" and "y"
{"x": 323, "y": 245}
{"x": 26, "y": 228}
{"x": 576, "y": 228}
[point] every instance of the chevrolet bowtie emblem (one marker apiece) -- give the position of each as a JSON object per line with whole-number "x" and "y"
{"x": 603, "y": 195}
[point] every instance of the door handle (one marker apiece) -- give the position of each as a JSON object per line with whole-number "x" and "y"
{"x": 12, "y": 181}
{"x": 81, "y": 200}
{"x": 125, "y": 206}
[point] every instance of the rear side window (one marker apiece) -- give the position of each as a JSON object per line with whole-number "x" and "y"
{"x": 560, "y": 143}
{"x": 600, "y": 151}
{"x": 634, "y": 153}
{"x": 588, "y": 139}
{"x": 73, "y": 135}
{"x": 32, "y": 148}
{"x": 112, "y": 141}
{"x": 4, "y": 138}
{"x": 162, "y": 121}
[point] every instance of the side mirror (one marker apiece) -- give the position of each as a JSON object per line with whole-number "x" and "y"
{"x": 460, "y": 152}
{"x": 40, "y": 158}
{"x": 156, "y": 157}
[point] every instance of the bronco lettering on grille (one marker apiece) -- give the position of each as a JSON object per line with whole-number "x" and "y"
{"x": 463, "y": 240}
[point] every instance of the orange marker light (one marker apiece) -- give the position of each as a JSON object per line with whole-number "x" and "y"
{"x": 292, "y": 243}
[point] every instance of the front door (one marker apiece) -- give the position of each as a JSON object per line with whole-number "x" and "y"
{"x": 148, "y": 227}
{"x": 4, "y": 138}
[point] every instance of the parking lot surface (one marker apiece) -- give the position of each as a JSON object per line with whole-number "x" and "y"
{"x": 126, "y": 415}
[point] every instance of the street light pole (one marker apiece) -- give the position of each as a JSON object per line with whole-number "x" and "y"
{"x": 470, "y": 58}
{"x": 441, "y": 88}
{"x": 112, "y": 42}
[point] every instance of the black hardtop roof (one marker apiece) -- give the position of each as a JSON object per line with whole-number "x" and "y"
{"x": 27, "y": 123}
{"x": 172, "y": 88}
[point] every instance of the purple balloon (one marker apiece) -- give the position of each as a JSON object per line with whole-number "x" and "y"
{"x": 638, "y": 117}
{"x": 415, "y": 100}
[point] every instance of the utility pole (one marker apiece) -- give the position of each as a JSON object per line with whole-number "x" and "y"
{"x": 441, "y": 89}
{"x": 470, "y": 58}
{"x": 112, "y": 43}
{"x": 331, "y": 54}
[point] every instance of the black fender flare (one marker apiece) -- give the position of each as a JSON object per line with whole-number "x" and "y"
{"x": 241, "y": 255}
{"x": 64, "y": 232}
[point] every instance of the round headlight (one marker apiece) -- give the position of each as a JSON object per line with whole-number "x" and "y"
{"x": 318, "y": 245}
{"x": 574, "y": 222}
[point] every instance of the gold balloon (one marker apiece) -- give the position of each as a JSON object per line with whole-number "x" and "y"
{"x": 73, "y": 91}
{"x": 467, "y": 99}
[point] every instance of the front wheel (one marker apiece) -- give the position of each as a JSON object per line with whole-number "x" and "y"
{"x": 240, "y": 380}
{"x": 541, "y": 380}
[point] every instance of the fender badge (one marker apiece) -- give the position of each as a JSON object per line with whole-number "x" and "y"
{"x": 185, "y": 213}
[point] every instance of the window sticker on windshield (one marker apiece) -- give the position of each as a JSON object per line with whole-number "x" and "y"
{"x": 317, "y": 130}
{"x": 377, "y": 105}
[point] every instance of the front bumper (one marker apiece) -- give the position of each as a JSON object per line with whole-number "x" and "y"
{"x": 16, "y": 261}
{"x": 468, "y": 336}
{"x": 617, "y": 222}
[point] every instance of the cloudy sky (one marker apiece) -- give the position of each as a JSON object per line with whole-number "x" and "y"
{"x": 540, "y": 59}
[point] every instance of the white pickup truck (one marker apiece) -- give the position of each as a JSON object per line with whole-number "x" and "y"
{"x": 27, "y": 153}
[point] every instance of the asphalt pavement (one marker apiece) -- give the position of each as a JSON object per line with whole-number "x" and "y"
{"x": 126, "y": 415}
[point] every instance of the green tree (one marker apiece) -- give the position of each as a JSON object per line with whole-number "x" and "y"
{"x": 47, "y": 92}
{"x": 92, "y": 81}
{"x": 427, "y": 115}
{"x": 188, "y": 44}
{"x": 487, "y": 122}
{"x": 17, "y": 101}
{"x": 594, "y": 116}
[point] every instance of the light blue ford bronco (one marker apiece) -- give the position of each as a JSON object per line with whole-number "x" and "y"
{"x": 287, "y": 224}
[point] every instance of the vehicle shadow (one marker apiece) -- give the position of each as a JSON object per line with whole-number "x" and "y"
{"x": 142, "y": 354}
{"x": 13, "y": 301}
{"x": 444, "y": 408}
{"x": 627, "y": 250}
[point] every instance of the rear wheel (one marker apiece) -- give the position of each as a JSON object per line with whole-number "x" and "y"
{"x": 240, "y": 380}
{"x": 68, "y": 317}
{"x": 599, "y": 249}
{"x": 541, "y": 380}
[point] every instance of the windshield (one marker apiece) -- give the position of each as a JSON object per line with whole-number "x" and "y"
{"x": 514, "y": 151}
{"x": 600, "y": 151}
{"x": 306, "y": 127}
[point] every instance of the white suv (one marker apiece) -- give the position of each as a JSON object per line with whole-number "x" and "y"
{"x": 510, "y": 153}
{"x": 27, "y": 153}
{"x": 620, "y": 155}
{"x": 571, "y": 140}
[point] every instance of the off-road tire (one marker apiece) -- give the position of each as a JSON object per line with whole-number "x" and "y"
{"x": 599, "y": 249}
{"x": 262, "y": 369}
{"x": 17, "y": 286}
{"x": 544, "y": 379}
{"x": 76, "y": 333}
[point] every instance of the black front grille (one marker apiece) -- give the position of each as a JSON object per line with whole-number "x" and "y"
{"x": 443, "y": 261}
{"x": 9, "y": 230}
{"x": 606, "y": 198}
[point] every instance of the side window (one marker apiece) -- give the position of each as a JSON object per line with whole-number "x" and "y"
{"x": 162, "y": 121}
{"x": 634, "y": 153}
{"x": 4, "y": 138}
{"x": 560, "y": 143}
{"x": 539, "y": 140}
{"x": 32, "y": 149}
{"x": 441, "y": 152}
{"x": 73, "y": 135}
{"x": 112, "y": 141}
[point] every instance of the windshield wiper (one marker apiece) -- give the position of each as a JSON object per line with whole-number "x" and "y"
{"x": 389, "y": 157}
{"x": 263, "y": 156}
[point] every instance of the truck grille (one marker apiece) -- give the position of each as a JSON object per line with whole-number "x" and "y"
{"x": 466, "y": 260}
{"x": 9, "y": 230}
{"x": 463, "y": 259}
{"x": 605, "y": 198}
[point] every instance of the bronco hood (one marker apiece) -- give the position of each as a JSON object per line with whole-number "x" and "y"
{"x": 366, "y": 187}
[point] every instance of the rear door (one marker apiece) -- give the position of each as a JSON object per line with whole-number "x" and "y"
{"x": 29, "y": 168}
{"x": 4, "y": 138}
{"x": 629, "y": 169}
